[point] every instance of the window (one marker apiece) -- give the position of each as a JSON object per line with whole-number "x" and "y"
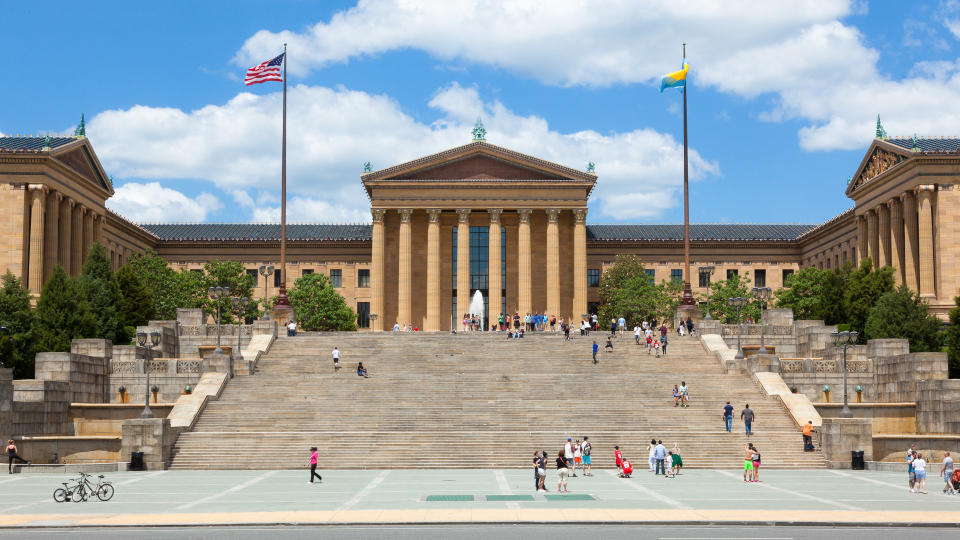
{"x": 676, "y": 275}
{"x": 787, "y": 274}
{"x": 363, "y": 278}
{"x": 336, "y": 278}
{"x": 593, "y": 277}
{"x": 704, "y": 279}
{"x": 276, "y": 277}
{"x": 363, "y": 314}
{"x": 732, "y": 273}
{"x": 760, "y": 277}
{"x": 254, "y": 274}
{"x": 651, "y": 274}
{"x": 306, "y": 271}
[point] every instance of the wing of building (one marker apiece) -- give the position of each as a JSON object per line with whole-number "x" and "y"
{"x": 480, "y": 217}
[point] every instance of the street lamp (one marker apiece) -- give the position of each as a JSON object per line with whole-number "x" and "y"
{"x": 266, "y": 271}
{"x": 240, "y": 305}
{"x": 762, "y": 294}
{"x": 737, "y": 302}
{"x": 149, "y": 344}
{"x": 845, "y": 339}
{"x": 373, "y": 320}
{"x": 708, "y": 270}
{"x": 10, "y": 337}
{"x": 216, "y": 294}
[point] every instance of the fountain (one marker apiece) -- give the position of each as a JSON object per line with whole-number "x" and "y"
{"x": 476, "y": 307}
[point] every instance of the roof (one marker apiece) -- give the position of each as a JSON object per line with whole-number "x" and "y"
{"x": 698, "y": 232}
{"x": 32, "y": 143}
{"x": 932, "y": 145}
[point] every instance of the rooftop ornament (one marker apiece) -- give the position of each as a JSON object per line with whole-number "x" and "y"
{"x": 881, "y": 133}
{"x": 366, "y": 166}
{"x": 591, "y": 167}
{"x": 916, "y": 143}
{"x": 81, "y": 130}
{"x": 479, "y": 132}
{"x": 47, "y": 143}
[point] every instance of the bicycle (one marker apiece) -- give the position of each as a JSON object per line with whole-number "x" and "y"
{"x": 75, "y": 493}
{"x": 103, "y": 490}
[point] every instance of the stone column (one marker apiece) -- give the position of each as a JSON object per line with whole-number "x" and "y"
{"x": 862, "y": 238}
{"x": 524, "y": 293}
{"x": 38, "y": 203}
{"x": 494, "y": 284}
{"x": 51, "y": 233}
{"x": 896, "y": 238}
{"x": 873, "y": 235}
{"x": 87, "y": 232}
{"x": 76, "y": 242}
{"x": 910, "y": 253}
{"x": 66, "y": 234}
{"x": 579, "y": 263}
{"x": 404, "y": 269}
{"x": 925, "y": 239}
{"x": 376, "y": 268}
{"x": 463, "y": 263}
{"x": 883, "y": 242}
{"x": 432, "y": 324}
{"x": 553, "y": 262}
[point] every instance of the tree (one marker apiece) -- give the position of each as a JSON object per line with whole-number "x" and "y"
{"x": 626, "y": 291}
{"x": 319, "y": 306}
{"x": 722, "y": 291}
{"x": 99, "y": 286}
{"x": 902, "y": 314}
{"x": 803, "y": 293}
{"x": 136, "y": 304}
{"x": 953, "y": 340}
{"x": 16, "y": 350}
{"x": 864, "y": 288}
{"x": 62, "y": 314}
{"x": 168, "y": 289}
{"x": 227, "y": 274}
{"x": 833, "y": 308}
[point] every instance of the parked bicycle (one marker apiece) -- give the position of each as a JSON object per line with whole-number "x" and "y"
{"x": 68, "y": 493}
{"x": 83, "y": 489}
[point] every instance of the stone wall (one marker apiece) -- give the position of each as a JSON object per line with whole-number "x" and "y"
{"x": 840, "y": 436}
{"x": 893, "y": 448}
{"x": 938, "y": 405}
{"x": 887, "y": 418}
{"x": 40, "y": 407}
{"x": 171, "y": 386}
{"x": 152, "y": 436}
{"x": 897, "y": 376}
{"x": 87, "y": 375}
{"x": 6, "y": 404}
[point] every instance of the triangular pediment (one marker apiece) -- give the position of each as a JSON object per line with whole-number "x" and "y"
{"x": 880, "y": 158}
{"x": 478, "y": 166}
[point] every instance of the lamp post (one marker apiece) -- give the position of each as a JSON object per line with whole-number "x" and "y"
{"x": 216, "y": 294}
{"x": 762, "y": 294}
{"x": 266, "y": 270}
{"x": 143, "y": 341}
{"x": 845, "y": 339}
{"x": 10, "y": 337}
{"x": 240, "y": 305}
{"x": 737, "y": 302}
{"x": 708, "y": 270}
{"x": 373, "y": 320}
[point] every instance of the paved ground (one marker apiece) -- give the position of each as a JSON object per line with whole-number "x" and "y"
{"x": 401, "y": 496}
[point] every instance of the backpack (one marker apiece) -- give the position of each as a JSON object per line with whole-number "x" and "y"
{"x": 585, "y": 448}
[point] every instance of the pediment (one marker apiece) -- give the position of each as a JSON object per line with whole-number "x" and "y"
{"x": 879, "y": 159}
{"x": 478, "y": 166}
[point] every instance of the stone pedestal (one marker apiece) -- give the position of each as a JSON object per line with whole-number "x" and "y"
{"x": 693, "y": 312}
{"x": 840, "y": 436}
{"x": 761, "y": 362}
{"x": 264, "y": 328}
{"x": 281, "y": 315}
{"x": 217, "y": 363}
{"x": 152, "y": 436}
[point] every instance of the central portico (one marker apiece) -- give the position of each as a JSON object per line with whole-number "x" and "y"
{"x": 507, "y": 224}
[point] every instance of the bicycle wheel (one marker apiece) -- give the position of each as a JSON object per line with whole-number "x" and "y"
{"x": 105, "y": 492}
{"x": 59, "y": 495}
{"x": 80, "y": 494}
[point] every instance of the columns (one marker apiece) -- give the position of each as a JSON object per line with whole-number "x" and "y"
{"x": 862, "y": 238}
{"x": 553, "y": 262}
{"x": 494, "y": 284}
{"x": 376, "y": 269}
{"x": 51, "y": 233}
{"x": 524, "y": 295}
{"x": 463, "y": 263}
{"x": 910, "y": 247}
{"x": 76, "y": 241}
{"x": 579, "y": 263}
{"x": 925, "y": 239}
{"x": 883, "y": 242}
{"x": 432, "y": 324}
{"x": 404, "y": 269}
{"x": 896, "y": 238}
{"x": 66, "y": 233}
{"x": 38, "y": 202}
{"x": 98, "y": 228}
{"x": 873, "y": 236}
{"x": 87, "y": 232}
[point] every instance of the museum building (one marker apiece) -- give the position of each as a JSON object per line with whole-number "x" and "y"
{"x": 480, "y": 217}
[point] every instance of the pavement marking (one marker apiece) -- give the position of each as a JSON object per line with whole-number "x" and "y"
{"x": 364, "y": 492}
{"x": 139, "y": 478}
{"x": 795, "y": 493}
{"x": 652, "y": 493}
{"x": 11, "y": 480}
{"x": 505, "y": 488}
{"x": 899, "y": 487}
{"x": 234, "y": 489}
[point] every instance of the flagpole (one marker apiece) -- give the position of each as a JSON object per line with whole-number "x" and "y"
{"x": 687, "y": 293}
{"x": 282, "y": 296}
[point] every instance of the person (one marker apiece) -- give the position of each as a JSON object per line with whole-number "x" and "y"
{"x": 663, "y": 344}
{"x": 684, "y": 399}
{"x": 562, "y": 471}
{"x": 690, "y": 325}
{"x": 362, "y": 371}
{"x": 660, "y": 454}
{"x": 955, "y": 480}
{"x": 536, "y": 471}
{"x": 681, "y": 329}
{"x": 677, "y": 460}
{"x": 668, "y": 466}
{"x": 577, "y": 458}
{"x": 911, "y": 474}
{"x": 626, "y": 469}
{"x": 609, "y": 346}
{"x": 649, "y": 343}
{"x": 747, "y": 416}
{"x": 543, "y": 470}
{"x": 663, "y": 329}
{"x": 396, "y": 326}
{"x": 656, "y": 347}
{"x": 728, "y": 416}
{"x": 596, "y": 322}
{"x": 946, "y": 471}
{"x": 568, "y": 453}
{"x": 807, "y": 431}
{"x": 336, "y": 360}
{"x": 585, "y": 449}
{"x": 756, "y": 464}
{"x": 636, "y": 333}
{"x": 12, "y": 456}
{"x": 618, "y": 458}
{"x": 920, "y": 469}
{"x": 313, "y": 465}
{"x": 291, "y": 329}
{"x": 621, "y": 324}
{"x": 747, "y": 461}
{"x": 650, "y": 457}
{"x": 613, "y": 327}
{"x": 676, "y": 396}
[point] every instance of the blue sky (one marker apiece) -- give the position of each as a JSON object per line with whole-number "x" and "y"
{"x": 782, "y": 103}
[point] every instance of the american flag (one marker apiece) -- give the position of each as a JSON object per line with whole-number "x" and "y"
{"x": 266, "y": 71}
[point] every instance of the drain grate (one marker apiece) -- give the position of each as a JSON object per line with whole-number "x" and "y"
{"x": 442, "y": 498}
{"x": 509, "y": 497}
{"x": 572, "y": 497}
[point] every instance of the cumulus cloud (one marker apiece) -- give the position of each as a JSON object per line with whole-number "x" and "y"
{"x": 151, "y": 202}
{"x": 332, "y": 132}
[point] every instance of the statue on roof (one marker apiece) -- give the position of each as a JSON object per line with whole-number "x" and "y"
{"x": 479, "y": 132}
{"x": 366, "y": 166}
{"x": 47, "y": 142}
{"x": 881, "y": 133}
{"x": 591, "y": 167}
{"x": 916, "y": 143}
{"x": 81, "y": 130}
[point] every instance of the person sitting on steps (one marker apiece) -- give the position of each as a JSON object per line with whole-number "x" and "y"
{"x": 361, "y": 371}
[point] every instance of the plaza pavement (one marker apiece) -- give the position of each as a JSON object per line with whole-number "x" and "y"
{"x": 185, "y": 498}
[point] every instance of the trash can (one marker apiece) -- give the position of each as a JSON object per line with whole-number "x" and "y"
{"x": 856, "y": 460}
{"x": 136, "y": 461}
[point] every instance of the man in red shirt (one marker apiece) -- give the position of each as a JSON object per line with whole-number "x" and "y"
{"x": 618, "y": 455}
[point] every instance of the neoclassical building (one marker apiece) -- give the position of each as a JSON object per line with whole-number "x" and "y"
{"x": 480, "y": 217}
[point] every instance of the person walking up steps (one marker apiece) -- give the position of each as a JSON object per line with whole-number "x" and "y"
{"x": 636, "y": 333}
{"x": 728, "y": 416}
{"x": 807, "y": 432}
{"x": 336, "y": 360}
{"x": 621, "y": 325}
{"x": 313, "y": 465}
{"x": 585, "y": 449}
{"x": 747, "y": 416}
{"x": 595, "y": 349}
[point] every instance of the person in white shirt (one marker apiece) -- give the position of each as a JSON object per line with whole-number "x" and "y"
{"x": 336, "y": 359}
{"x": 568, "y": 453}
{"x": 636, "y": 334}
{"x": 577, "y": 458}
{"x": 946, "y": 471}
{"x": 396, "y": 327}
{"x": 291, "y": 329}
{"x": 920, "y": 469}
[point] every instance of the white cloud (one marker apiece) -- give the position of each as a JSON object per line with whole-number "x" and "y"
{"x": 151, "y": 202}
{"x": 332, "y": 132}
{"x": 953, "y": 25}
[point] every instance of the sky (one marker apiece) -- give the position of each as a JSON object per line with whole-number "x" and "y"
{"x": 782, "y": 101}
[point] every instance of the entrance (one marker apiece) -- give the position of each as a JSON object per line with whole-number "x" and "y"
{"x": 479, "y": 273}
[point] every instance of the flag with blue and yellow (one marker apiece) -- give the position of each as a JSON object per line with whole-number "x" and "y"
{"x": 677, "y": 79}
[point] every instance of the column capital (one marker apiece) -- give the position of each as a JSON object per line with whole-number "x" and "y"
{"x": 893, "y": 201}
{"x": 926, "y": 188}
{"x": 38, "y": 189}
{"x": 378, "y": 214}
{"x": 906, "y": 195}
{"x": 580, "y": 215}
{"x": 553, "y": 215}
{"x": 463, "y": 215}
{"x": 405, "y": 214}
{"x": 56, "y": 194}
{"x": 524, "y": 214}
{"x": 69, "y": 201}
{"x": 494, "y": 214}
{"x": 433, "y": 214}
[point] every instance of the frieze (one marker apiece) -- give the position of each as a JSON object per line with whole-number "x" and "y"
{"x": 880, "y": 162}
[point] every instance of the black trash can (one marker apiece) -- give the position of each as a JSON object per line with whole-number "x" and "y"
{"x": 856, "y": 460}
{"x": 136, "y": 461}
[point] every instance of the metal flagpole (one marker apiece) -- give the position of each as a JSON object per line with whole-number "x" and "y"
{"x": 282, "y": 297}
{"x": 687, "y": 293}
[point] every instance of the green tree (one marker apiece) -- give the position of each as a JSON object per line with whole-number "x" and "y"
{"x": 168, "y": 289}
{"x": 626, "y": 291}
{"x": 319, "y": 306}
{"x": 227, "y": 274}
{"x": 864, "y": 288}
{"x": 833, "y": 307}
{"x": 722, "y": 291}
{"x": 62, "y": 314}
{"x": 100, "y": 288}
{"x": 16, "y": 350}
{"x": 803, "y": 293}
{"x": 901, "y": 314}
{"x": 136, "y": 304}
{"x": 953, "y": 340}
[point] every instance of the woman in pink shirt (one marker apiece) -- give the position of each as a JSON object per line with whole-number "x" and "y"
{"x": 313, "y": 465}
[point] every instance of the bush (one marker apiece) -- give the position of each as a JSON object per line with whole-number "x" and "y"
{"x": 901, "y": 314}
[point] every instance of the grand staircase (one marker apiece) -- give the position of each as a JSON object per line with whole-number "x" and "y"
{"x": 479, "y": 400}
